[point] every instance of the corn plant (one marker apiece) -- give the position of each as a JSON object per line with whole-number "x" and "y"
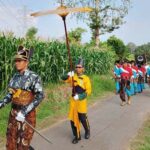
{"x": 50, "y": 59}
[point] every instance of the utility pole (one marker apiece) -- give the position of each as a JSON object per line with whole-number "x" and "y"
{"x": 25, "y": 19}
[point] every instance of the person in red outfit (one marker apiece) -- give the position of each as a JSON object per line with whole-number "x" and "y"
{"x": 126, "y": 73}
{"x": 135, "y": 75}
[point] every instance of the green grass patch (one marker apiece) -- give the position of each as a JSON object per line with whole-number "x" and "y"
{"x": 56, "y": 103}
{"x": 142, "y": 140}
{"x": 101, "y": 84}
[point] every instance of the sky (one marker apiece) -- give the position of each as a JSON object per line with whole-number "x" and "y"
{"x": 15, "y": 16}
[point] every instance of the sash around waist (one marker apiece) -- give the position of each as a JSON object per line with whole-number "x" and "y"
{"x": 22, "y": 97}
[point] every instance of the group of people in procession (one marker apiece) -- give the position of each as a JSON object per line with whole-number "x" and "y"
{"x": 130, "y": 78}
{"x": 25, "y": 93}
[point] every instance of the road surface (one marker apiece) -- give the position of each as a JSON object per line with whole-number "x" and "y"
{"x": 112, "y": 126}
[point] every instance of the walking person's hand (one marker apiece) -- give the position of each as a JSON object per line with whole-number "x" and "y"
{"x": 20, "y": 116}
{"x": 71, "y": 73}
{"x": 76, "y": 97}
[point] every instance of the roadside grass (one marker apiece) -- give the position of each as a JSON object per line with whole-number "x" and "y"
{"x": 101, "y": 85}
{"x": 56, "y": 103}
{"x": 142, "y": 140}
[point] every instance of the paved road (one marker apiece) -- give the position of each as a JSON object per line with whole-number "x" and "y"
{"x": 112, "y": 126}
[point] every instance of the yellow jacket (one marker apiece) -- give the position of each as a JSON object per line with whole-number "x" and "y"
{"x": 82, "y": 86}
{"x": 84, "y": 83}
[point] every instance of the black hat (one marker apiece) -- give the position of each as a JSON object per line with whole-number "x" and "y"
{"x": 23, "y": 53}
{"x": 132, "y": 61}
{"x": 80, "y": 61}
{"x": 117, "y": 61}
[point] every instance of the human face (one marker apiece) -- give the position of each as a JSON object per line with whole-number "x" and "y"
{"x": 125, "y": 64}
{"x": 117, "y": 64}
{"x": 129, "y": 65}
{"x": 79, "y": 69}
{"x": 21, "y": 65}
{"x": 132, "y": 64}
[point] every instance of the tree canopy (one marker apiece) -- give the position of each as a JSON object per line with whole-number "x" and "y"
{"x": 31, "y": 32}
{"x": 143, "y": 50}
{"x": 107, "y": 15}
{"x": 75, "y": 36}
{"x": 118, "y": 47}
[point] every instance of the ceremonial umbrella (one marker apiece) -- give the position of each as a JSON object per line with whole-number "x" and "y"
{"x": 63, "y": 11}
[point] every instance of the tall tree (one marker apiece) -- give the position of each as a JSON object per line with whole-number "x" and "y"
{"x": 75, "y": 36}
{"x": 107, "y": 15}
{"x": 131, "y": 46}
{"x": 118, "y": 47}
{"x": 31, "y": 32}
{"x": 143, "y": 50}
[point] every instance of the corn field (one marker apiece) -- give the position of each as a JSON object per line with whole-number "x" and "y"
{"x": 50, "y": 59}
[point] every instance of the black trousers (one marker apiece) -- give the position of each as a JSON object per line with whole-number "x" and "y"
{"x": 83, "y": 119}
{"x": 125, "y": 83}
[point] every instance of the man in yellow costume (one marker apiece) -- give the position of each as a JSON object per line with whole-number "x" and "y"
{"x": 78, "y": 103}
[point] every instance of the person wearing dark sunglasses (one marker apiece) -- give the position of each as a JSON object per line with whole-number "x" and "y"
{"x": 78, "y": 102}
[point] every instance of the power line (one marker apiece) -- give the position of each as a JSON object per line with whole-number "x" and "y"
{"x": 23, "y": 20}
{"x": 2, "y": 17}
{"x": 20, "y": 2}
{"x": 5, "y": 8}
{"x": 10, "y": 3}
